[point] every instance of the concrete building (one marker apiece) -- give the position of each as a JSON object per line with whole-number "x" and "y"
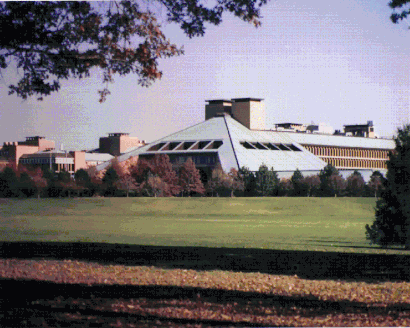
{"x": 38, "y": 151}
{"x": 118, "y": 143}
{"x": 234, "y": 135}
{"x": 360, "y": 130}
{"x": 11, "y": 152}
{"x": 56, "y": 160}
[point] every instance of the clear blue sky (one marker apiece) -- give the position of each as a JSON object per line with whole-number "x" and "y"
{"x": 337, "y": 62}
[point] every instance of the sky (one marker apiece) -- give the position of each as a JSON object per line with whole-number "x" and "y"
{"x": 337, "y": 62}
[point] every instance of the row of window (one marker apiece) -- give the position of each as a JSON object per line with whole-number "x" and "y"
{"x": 269, "y": 146}
{"x": 347, "y": 152}
{"x": 355, "y": 163}
{"x": 186, "y": 145}
{"x": 35, "y": 160}
{"x": 198, "y": 160}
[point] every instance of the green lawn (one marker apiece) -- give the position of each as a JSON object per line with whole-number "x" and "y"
{"x": 323, "y": 224}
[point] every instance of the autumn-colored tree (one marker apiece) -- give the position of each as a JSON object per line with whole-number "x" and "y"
{"x": 217, "y": 182}
{"x": 37, "y": 181}
{"x": 159, "y": 166}
{"x": 355, "y": 185}
{"x": 375, "y": 183}
{"x": 125, "y": 179}
{"x": 337, "y": 184}
{"x": 286, "y": 187}
{"x": 312, "y": 183}
{"x": 157, "y": 187}
{"x": 55, "y": 40}
{"x": 96, "y": 177}
{"x": 235, "y": 181}
{"x": 190, "y": 179}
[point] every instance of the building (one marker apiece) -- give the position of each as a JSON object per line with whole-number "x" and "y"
{"x": 56, "y": 160}
{"x": 360, "y": 130}
{"x": 38, "y": 151}
{"x": 118, "y": 143}
{"x": 234, "y": 135}
{"x": 11, "y": 152}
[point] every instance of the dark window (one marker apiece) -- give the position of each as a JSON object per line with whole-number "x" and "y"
{"x": 157, "y": 146}
{"x": 271, "y": 146}
{"x": 258, "y": 145}
{"x": 247, "y": 145}
{"x": 202, "y": 144}
{"x": 215, "y": 145}
{"x": 282, "y": 147}
{"x": 293, "y": 147}
{"x": 186, "y": 145}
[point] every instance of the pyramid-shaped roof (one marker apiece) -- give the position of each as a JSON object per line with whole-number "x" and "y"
{"x": 235, "y": 145}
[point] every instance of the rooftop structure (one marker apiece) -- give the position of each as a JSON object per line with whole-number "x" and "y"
{"x": 118, "y": 143}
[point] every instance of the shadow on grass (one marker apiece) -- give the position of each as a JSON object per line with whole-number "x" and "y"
{"x": 306, "y": 264}
{"x": 47, "y": 300}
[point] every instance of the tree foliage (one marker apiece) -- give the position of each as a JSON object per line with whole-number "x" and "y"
{"x": 392, "y": 221}
{"x": 403, "y": 10}
{"x": 56, "y": 40}
{"x": 355, "y": 185}
{"x": 216, "y": 182}
{"x": 249, "y": 182}
{"x": 298, "y": 185}
{"x": 190, "y": 179}
{"x": 158, "y": 166}
{"x": 266, "y": 181}
{"x": 331, "y": 182}
{"x": 376, "y": 183}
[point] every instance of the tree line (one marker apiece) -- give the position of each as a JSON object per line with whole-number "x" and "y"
{"x": 155, "y": 177}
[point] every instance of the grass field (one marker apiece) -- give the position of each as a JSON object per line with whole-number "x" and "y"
{"x": 320, "y": 224}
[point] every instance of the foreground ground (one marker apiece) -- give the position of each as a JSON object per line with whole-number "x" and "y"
{"x": 196, "y": 263}
{"x": 66, "y": 293}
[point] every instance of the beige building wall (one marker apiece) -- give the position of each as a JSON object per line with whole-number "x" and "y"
{"x": 250, "y": 113}
{"x": 118, "y": 143}
{"x": 79, "y": 160}
{"x": 30, "y": 146}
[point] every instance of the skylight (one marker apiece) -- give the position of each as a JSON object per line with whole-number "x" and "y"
{"x": 269, "y": 146}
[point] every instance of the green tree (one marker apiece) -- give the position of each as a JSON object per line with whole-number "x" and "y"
{"x": 392, "y": 219}
{"x": 9, "y": 183}
{"x": 248, "y": 178}
{"x": 110, "y": 179}
{"x": 266, "y": 181}
{"x": 328, "y": 180}
{"x": 55, "y": 40}
{"x": 298, "y": 185}
{"x": 83, "y": 182}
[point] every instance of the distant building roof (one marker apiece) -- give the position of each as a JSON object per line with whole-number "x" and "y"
{"x": 90, "y": 157}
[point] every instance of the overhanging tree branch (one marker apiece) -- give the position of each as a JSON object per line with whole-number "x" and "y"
{"x": 58, "y": 40}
